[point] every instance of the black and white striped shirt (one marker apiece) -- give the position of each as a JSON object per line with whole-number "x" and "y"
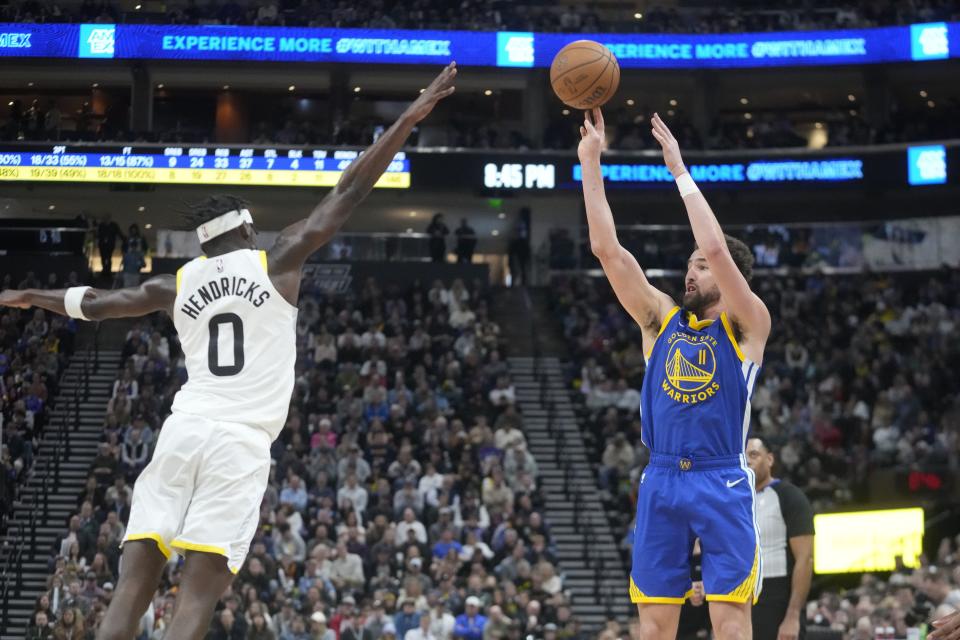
{"x": 783, "y": 512}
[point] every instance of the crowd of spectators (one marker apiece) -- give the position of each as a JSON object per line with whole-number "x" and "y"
{"x": 34, "y": 347}
{"x": 499, "y": 15}
{"x": 628, "y": 129}
{"x": 855, "y": 379}
{"x": 403, "y": 502}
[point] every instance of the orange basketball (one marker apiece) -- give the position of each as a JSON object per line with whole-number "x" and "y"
{"x": 584, "y": 74}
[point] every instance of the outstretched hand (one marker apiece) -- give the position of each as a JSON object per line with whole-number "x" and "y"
{"x": 671, "y": 149}
{"x": 946, "y": 628}
{"x": 440, "y": 88}
{"x": 14, "y": 298}
{"x": 592, "y": 135}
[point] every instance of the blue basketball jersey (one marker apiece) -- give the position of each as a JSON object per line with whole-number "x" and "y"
{"x": 695, "y": 399}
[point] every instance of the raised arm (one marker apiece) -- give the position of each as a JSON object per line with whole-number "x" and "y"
{"x": 646, "y": 304}
{"x": 156, "y": 294}
{"x": 745, "y": 307}
{"x": 299, "y": 240}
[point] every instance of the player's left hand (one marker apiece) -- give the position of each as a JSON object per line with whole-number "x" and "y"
{"x": 789, "y": 628}
{"x": 671, "y": 149}
{"x": 946, "y": 628}
{"x": 440, "y": 88}
{"x": 14, "y": 298}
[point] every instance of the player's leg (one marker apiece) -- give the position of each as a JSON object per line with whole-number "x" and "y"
{"x": 204, "y": 578}
{"x": 730, "y": 546}
{"x": 731, "y": 620}
{"x": 658, "y": 621}
{"x": 662, "y": 546}
{"x": 140, "y": 569}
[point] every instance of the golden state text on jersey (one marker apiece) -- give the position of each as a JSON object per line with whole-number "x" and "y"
{"x": 696, "y": 391}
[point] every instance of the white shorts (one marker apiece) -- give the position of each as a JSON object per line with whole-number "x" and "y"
{"x": 202, "y": 489}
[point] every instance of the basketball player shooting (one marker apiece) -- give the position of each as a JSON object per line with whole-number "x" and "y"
{"x": 235, "y": 312}
{"x": 702, "y": 362}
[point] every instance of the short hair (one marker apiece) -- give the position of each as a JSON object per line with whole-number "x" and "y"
{"x": 212, "y": 207}
{"x": 763, "y": 443}
{"x": 741, "y": 254}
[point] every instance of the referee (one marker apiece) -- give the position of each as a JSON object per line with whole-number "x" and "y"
{"x": 785, "y": 518}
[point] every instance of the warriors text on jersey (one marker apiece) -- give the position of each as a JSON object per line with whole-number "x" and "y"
{"x": 696, "y": 392}
{"x": 239, "y": 338}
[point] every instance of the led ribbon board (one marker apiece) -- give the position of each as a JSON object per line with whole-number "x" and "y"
{"x": 867, "y": 540}
{"x": 918, "y": 42}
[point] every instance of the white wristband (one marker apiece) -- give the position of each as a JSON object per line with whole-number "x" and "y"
{"x": 71, "y": 302}
{"x": 686, "y": 185}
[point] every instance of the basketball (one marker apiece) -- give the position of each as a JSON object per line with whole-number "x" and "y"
{"x": 584, "y": 74}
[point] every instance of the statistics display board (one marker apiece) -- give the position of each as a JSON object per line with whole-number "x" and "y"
{"x": 918, "y": 42}
{"x": 919, "y": 167}
{"x": 189, "y": 165}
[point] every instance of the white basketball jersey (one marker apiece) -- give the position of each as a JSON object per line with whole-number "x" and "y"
{"x": 239, "y": 338}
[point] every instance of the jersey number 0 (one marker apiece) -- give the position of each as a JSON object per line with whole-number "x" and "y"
{"x": 213, "y": 351}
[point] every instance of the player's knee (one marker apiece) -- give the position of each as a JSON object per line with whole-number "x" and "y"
{"x": 733, "y": 628}
{"x": 652, "y": 628}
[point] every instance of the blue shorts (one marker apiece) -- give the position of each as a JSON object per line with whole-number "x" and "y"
{"x": 682, "y": 499}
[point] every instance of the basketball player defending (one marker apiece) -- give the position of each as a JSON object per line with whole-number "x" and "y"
{"x": 235, "y": 312}
{"x": 702, "y": 362}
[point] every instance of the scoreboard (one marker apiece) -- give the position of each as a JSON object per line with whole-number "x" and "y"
{"x": 190, "y": 165}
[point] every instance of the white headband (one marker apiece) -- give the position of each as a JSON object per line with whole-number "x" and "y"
{"x": 221, "y": 224}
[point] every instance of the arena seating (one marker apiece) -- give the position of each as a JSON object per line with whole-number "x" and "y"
{"x": 855, "y": 378}
{"x": 391, "y": 497}
{"x": 34, "y": 347}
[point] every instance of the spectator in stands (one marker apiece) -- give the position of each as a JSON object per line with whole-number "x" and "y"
{"x": 438, "y": 233}
{"x": 471, "y": 623}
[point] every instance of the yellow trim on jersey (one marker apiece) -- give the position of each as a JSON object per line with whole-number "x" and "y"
{"x": 263, "y": 261}
{"x": 697, "y": 324}
{"x": 179, "y": 278}
{"x": 164, "y": 549}
{"x": 733, "y": 341}
{"x": 663, "y": 327}
{"x": 746, "y": 590}
{"x": 639, "y": 597}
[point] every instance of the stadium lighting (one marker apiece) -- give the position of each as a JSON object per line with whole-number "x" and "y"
{"x": 630, "y": 102}
{"x": 356, "y": 89}
{"x": 10, "y": 104}
{"x": 638, "y": 16}
{"x": 413, "y": 214}
{"x": 160, "y": 86}
{"x": 565, "y": 112}
{"x": 923, "y": 94}
{"x": 501, "y": 215}
{"x": 931, "y": 104}
{"x": 95, "y": 85}
{"x": 141, "y": 208}
{"x": 292, "y": 87}
{"x": 148, "y": 226}
{"x": 744, "y": 101}
{"x": 52, "y": 207}
{"x": 488, "y": 92}
{"x": 748, "y": 116}
{"x": 495, "y": 232}
{"x": 226, "y": 87}
{"x": 851, "y": 97}
{"x": 818, "y": 125}
{"x": 137, "y": 8}
{"x": 29, "y": 84}
{"x": 671, "y": 112}
{"x": 673, "y": 102}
